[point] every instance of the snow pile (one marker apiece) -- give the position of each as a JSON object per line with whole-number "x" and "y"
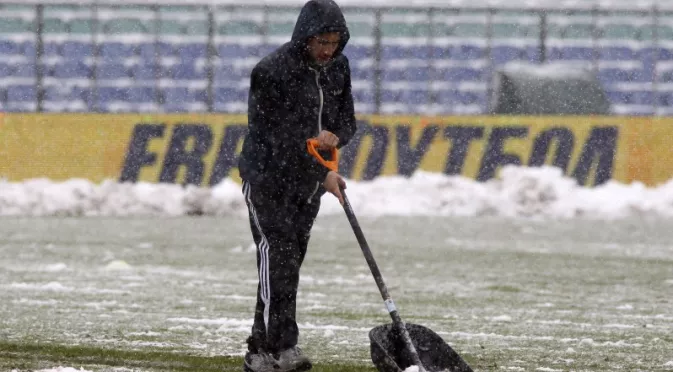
{"x": 59, "y": 369}
{"x": 542, "y": 192}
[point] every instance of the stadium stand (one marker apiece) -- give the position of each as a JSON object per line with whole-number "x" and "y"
{"x": 109, "y": 58}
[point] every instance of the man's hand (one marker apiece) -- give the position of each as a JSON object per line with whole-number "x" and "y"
{"x": 327, "y": 140}
{"x": 332, "y": 183}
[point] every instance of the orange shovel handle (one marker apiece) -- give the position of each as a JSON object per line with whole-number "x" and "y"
{"x": 332, "y": 164}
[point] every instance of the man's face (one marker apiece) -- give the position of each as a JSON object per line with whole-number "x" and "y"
{"x": 321, "y": 47}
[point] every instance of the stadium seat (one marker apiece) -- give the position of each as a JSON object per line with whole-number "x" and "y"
{"x": 186, "y": 72}
{"x": 616, "y": 53}
{"x": 416, "y": 97}
{"x": 6, "y": 70}
{"x": 393, "y": 74}
{"x": 620, "y": 97}
{"x": 456, "y": 74}
{"x": 182, "y": 99}
{"x": 611, "y": 75}
{"x": 21, "y": 98}
{"x": 467, "y": 52}
{"x": 145, "y": 71}
{"x": 365, "y": 96}
{"x": 111, "y": 71}
{"x": 25, "y": 70}
{"x": 643, "y": 97}
{"x": 141, "y": 94}
{"x": 234, "y": 51}
{"x": 9, "y": 47}
{"x": 112, "y": 51}
{"x": 188, "y": 52}
{"x": 56, "y": 93}
{"x": 502, "y": 54}
{"x": 77, "y": 50}
{"x": 70, "y": 70}
{"x": 389, "y": 52}
{"x": 577, "y": 53}
{"x": 356, "y": 52}
{"x": 359, "y": 72}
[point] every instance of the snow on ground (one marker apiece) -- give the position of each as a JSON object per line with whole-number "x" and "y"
{"x": 519, "y": 192}
{"x": 61, "y": 369}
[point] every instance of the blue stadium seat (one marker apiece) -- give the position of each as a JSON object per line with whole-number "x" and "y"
{"x": 191, "y": 52}
{"x": 454, "y": 74}
{"x": 467, "y": 52}
{"x": 180, "y": 99}
{"x": 6, "y": 70}
{"x": 440, "y": 52}
{"x": 52, "y": 49}
{"x": 365, "y": 96}
{"x": 56, "y": 94}
{"x": 664, "y": 99}
{"x": 643, "y": 97}
{"x": 361, "y": 73}
{"x": 71, "y": 69}
{"x": 389, "y": 52}
{"x": 110, "y": 94}
{"x": 502, "y": 54}
{"x": 116, "y": 51}
{"x": 165, "y": 49}
{"x": 447, "y": 96}
{"x": 391, "y": 96}
{"x": 26, "y": 70}
{"x": 355, "y": 52}
{"x": 230, "y": 94}
{"x": 620, "y": 97}
{"x": 76, "y": 50}
{"x": 234, "y": 51}
{"x": 420, "y": 52}
{"x": 416, "y": 97}
{"x": 469, "y": 98}
{"x": 612, "y": 75}
{"x": 616, "y": 53}
{"x": 533, "y": 53}
{"x": 111, "y": 71}
{"x": 417, "y": 73}
{"x": 28, "y": 49}
{"x": 393, "y": 74}
{"x": 228, "y": 72}
{"x": 21, "y": 98}
{"x": 141, "y": 94}
{"x": 9, "y": 47}
{"x": 186, "y": 72}
{"x": 145, "y": 71}
{"x": 576, "y": 53}
{"x": 147, "y": 52}
{"x": 82, "y": 94}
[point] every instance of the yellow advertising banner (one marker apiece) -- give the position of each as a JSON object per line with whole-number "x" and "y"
{"x": 202, "y": 149}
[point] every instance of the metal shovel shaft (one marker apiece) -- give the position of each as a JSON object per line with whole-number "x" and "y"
{"x": 388, "y": 301}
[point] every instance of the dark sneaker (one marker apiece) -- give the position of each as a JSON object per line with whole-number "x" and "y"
{"x": 293, "y": 360}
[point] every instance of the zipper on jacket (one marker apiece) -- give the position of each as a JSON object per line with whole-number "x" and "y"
{"x": 322, "y": 99}
{"x": 322, "y": 102}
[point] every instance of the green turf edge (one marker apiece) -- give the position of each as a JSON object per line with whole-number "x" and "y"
{"x": 33, "y": 355}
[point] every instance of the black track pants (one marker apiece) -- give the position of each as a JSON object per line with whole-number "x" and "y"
{"x": 280, "y": 225}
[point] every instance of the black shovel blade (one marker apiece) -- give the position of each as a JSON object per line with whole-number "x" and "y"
{"x": 390, "y": 355}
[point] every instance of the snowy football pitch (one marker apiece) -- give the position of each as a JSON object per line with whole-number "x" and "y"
{"x": 507, "y": 294}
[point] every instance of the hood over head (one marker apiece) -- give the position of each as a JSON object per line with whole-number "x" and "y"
{"x": 317, "y": 17}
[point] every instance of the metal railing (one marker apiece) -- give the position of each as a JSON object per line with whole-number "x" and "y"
{"x": 651, "y": 17}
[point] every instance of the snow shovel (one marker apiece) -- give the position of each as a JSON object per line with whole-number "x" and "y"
{"x": 396, "y": 347}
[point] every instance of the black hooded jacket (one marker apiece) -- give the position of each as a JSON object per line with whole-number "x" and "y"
{"x": 292, "y": 100}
